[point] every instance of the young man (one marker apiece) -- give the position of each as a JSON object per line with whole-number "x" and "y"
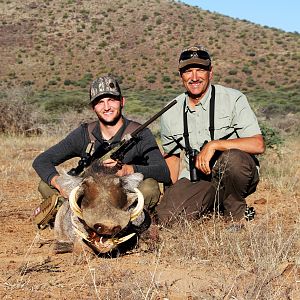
{"x": 219, "y": 134}
{"x": 144, "y": 157}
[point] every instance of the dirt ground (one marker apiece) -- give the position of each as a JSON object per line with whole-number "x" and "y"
{"x": 29, "y": 269}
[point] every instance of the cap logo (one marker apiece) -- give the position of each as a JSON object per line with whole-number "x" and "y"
{"x": 104, "y": 85}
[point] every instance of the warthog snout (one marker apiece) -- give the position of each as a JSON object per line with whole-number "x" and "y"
{"x": 105, "y": 230}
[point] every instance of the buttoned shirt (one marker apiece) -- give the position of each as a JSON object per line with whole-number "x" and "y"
{"x": 233, "y": 114}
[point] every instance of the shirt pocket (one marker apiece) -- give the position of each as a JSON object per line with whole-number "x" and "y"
{"x": 223, "y": 123}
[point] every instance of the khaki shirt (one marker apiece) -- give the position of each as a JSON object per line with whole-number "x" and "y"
{"x": 232, "y": 112}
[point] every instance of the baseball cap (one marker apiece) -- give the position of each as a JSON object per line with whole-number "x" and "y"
{"x": 194, "y": 55}
{"x": 105, "y": 85}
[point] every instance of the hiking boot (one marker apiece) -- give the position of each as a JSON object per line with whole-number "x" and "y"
{"x": 44, "y": 214}
{"x": 239, "y": 225}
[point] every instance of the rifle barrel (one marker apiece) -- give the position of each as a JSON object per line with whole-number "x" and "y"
{"x": 154, "y": 118}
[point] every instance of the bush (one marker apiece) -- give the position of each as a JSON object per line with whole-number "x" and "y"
{"x": 232, "y": 72}
{"x": 151, "y": 78}
{"x": 271, "y": 136}
{"x": 166, "y": 78}
{"x": 17, "y": 115}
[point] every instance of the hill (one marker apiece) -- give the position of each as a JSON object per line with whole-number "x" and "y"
{"x": 62, "y": 44}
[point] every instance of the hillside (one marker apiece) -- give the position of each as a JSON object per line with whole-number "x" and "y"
{"x": 62, "y": 44}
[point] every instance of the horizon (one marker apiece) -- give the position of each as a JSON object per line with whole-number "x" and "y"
{"x": 280, "y": 15}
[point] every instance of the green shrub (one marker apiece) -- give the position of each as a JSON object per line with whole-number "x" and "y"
{"x": 246, "y": 70}
{"x": 232, "y": 72}
{"x": 166, "y": 78}
{"x": 151, "y": 78}
{"x": 271, "y": 136}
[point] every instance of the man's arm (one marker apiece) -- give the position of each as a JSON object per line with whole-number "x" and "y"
{"x": 72, "y": 146}
{"x": 173, "y": 163}
{"x": 252, "y": 145}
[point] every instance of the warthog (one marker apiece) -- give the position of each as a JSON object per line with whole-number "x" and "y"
{"x": 103, "y": 211}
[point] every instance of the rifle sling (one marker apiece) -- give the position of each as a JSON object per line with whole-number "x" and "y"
{"x": 211, "y": 120}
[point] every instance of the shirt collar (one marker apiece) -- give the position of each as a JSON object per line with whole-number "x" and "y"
{"x": 115, "y": 139}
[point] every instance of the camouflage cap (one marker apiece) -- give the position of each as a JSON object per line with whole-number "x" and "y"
{"x": 105, "y": 85}
{"x": 194, "y": 55}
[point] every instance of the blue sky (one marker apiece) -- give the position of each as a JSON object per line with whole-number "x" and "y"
{"x": 284, "y": 15}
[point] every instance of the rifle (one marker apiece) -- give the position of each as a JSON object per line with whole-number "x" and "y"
{"x": 118, "y": 152}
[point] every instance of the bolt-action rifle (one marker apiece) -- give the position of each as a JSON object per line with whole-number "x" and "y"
{"x": 118, "y": 152}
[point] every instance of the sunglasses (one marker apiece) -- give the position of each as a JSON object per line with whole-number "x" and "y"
{"x": 191, "y": 54}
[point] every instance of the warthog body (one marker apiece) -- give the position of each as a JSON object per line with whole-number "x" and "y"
{"x": 101, "y": 210}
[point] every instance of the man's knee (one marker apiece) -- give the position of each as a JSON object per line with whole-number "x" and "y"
{"x": 235, "y": 162}
{"x": 46, "y": 190}
{"x": 186, "y": 199}
{"x": 151, "y": 192}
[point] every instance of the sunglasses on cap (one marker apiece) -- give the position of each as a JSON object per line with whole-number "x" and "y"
{"x": 188, "y": 54}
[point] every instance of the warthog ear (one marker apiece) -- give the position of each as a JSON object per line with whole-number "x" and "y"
{"x": 131, "y": 182}
{"x": 68, "y": 182}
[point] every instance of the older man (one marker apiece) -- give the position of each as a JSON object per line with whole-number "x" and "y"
{"x": 219, "y": 134}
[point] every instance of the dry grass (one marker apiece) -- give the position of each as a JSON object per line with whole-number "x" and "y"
{"x": 281, "y": 168}
{"x": 193, "y": 260}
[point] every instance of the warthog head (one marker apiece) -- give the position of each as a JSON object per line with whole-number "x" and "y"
{"x": 103, "y": 204}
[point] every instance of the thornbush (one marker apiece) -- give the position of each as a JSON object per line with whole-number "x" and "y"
{"x": 17, "y": 115}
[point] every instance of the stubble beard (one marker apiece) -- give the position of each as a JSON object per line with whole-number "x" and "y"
{"x": 112, "y": 122}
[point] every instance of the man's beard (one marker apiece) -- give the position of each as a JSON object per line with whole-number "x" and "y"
{"x": 112, "y": 122}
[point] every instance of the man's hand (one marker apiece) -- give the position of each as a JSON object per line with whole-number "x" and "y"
{"x": 58, "y": 187}
{"x": 109, "y": 163}
{"x": 124, "y": 169}
{"x": 204, "y": 157}
{"x": 252, "y": 145}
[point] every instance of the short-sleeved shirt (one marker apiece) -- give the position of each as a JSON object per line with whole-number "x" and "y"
{"x": 233, "y": 114}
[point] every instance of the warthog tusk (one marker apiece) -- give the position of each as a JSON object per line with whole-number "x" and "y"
{"x": 139, "y": 207}
{"x": 73, "y": 203}
{"x": 115, "y": 241}
{"x": 123, "y": 239}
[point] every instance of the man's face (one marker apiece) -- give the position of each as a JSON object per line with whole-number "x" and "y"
{"x": 109, "y": 109}
{"x": 196, "y": 80}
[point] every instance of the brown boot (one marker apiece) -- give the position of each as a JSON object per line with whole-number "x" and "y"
{"x": 44, "y": 214}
